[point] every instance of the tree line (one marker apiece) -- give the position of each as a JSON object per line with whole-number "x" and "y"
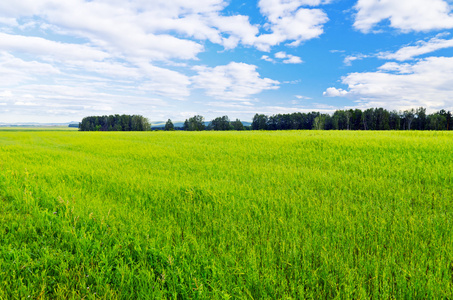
{"x": 197, "y": 123}
{"x": 115, "y": 123}
{"x": 352, "y": 119}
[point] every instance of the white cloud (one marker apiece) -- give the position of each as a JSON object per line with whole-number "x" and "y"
{"x": 114, "y": 48}
{"x": 165, "y": 82}
{"x": 297, "y": 81}
{"x": 396, "y": 67}
{"x": 146, "y": 28}
{"x": 38, "y": 92}
{"x": 8, "y": 21}
{"x": 288, "y": 21}
{"x": 244, "y": 105}
{"x": 285, "y": 58}
{"x": 235, "y": 81}
{"x": 50, "y": 49}
{"x": 334, "y": 92}
{"x": 405, "y": 53}
{"x": 72, "y": 58}
{"x": 267, "y": 58}
{"x": 6, "y": 94}
{"x": 422, "y": 47}
{"x": 271, "y": 110}
{"x": 428, "y": 83}
{"x": 44, "y": 102}
{"x": 281, "y": 55}
{"x": 405, "y": 15}
{"x": 302, "y": 97}
{"x": 350, "y": 58}
{"x": 238, "y": 29}
{"x": 276, "y": 9}
{"x": 11, "y": 64}
{"x": 120, "y": 28}
{"x": 14, "y": 70}
{"x": 293, "y": 60}
{"x": 21, "y": 103}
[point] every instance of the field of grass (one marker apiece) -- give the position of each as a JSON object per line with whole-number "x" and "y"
{"x": 226, "y": 215}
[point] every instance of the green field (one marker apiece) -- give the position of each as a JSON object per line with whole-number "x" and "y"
{"x": 226, "y": 215}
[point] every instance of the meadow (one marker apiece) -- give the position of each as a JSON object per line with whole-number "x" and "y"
{"x": 226, "y": 215}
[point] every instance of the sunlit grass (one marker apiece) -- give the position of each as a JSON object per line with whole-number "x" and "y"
{"x": 298, "y": 214}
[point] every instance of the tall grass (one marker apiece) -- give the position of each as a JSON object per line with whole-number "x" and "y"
{"x": 231, "y": 215}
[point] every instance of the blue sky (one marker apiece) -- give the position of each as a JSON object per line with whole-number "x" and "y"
{"x": 63, "y": 60}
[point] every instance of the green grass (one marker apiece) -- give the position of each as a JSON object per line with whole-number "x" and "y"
{"x": 232, "y": 215}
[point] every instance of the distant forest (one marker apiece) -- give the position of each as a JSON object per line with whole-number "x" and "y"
{"x": 115, "y": 123}
{"x": 352, "y": 119}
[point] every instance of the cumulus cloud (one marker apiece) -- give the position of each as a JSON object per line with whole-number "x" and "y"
{"x": 162, "y": 30}
{"x": 350, "y": 58}
{"x": 8, "y": 21}
{"x": 235, "y": 81}
{"x": 236, "y": 28}
{"x": 428, "y": 83}
{"x": 14, "y": 70}
{"x": 289, "y": 21}
{"x": 407, "y": 52}
{"x": 334, "y": 92}
{"x": 267, "y": 58}
{"x": 137, "y": 45}
{"x": 421, "y": 47}
{"x": 147, "y": 28}
{"x": 283, "y": 57}
{"x": 49, "y": 49}
{"x": 125, "y": 27}
{"x": 165, "y": 82}
{"x": 405, "y": 15}
{"x": 140, "y": 74}
{"x": 41, "y": 102}
{"x": 291, "y": 59}
{"x": 396, "y": 67}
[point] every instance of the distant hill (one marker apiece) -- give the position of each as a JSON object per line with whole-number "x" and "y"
{"x": 161, "y": 124}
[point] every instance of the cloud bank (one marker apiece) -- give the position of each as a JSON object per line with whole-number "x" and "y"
{"x": 427, "y": 83}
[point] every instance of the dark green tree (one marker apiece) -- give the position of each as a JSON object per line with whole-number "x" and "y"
{"x": 259, "y": 122}
{"x": 420, "y": 114}
{"x": 297, "y": 121}
{"x": 340, "y": 120}
{"x": 125, "y": 122}
{"x": 185, "y": 126}
{"x": 318, "y": 123}
{"x": 220, "y": 123}
{"x": 408, "y": 116}
{"x": 114, "y": 123}
{"x": 368, "y": 119}
{"x": 196, "y": 123}
{"x": 446, "y": 119}
{"x": 356, "y": 119}
{"x": 237, "y": 125}
{"x": 394, "y": 120}
{"x": 169, "y": 126}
